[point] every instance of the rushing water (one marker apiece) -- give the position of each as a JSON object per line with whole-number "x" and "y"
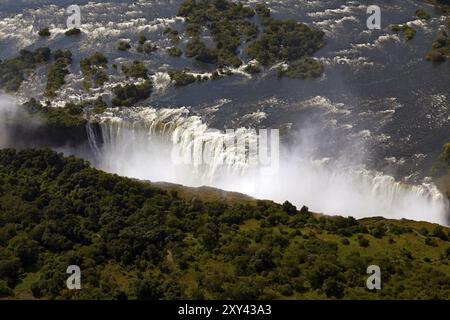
{"x": 358, "y": 141}
{"x": 141, "y": 142}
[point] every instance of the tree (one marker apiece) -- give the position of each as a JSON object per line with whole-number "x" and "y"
{"x": 333, "y": 288}
{"x": 289, "y": 208}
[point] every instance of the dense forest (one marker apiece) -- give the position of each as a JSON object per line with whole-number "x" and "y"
{"x": 134, "y": 240}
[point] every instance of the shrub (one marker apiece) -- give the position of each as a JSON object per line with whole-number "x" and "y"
{"x": 252, "y": 69}
{"x": 174, "y": 52}
{"x": 135, "y": 70}
{"x": 304, "y": 68}
{"x": 131, "y": 93}
{"x": 422, "y": 14}
{"x": 72, "y": 32}
{"x": 363, "y": 242}
{"x": 181, "y": 78}
{"x": 289, "y": 208}
{"x": 44, "y": 32}
{"x": 123, "y": 45}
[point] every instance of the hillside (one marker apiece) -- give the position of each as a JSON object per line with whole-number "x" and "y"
{"x": 133, "y": 240}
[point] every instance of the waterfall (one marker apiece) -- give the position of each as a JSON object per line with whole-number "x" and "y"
{"x": 170, "y": 144}
{"x": 183, "y": 146}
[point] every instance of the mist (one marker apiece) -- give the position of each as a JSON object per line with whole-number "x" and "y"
{"x": 139, "y": 144}
{"x": 8, "y": 113}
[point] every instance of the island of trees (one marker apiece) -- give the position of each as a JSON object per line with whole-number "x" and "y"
{"x": 232, "y": 26}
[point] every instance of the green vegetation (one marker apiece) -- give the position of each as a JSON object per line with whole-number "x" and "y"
{"x": 57, "y": 72}
{"x": 135, "y": 70}
{"x": 145, "y": 46}
{"x": 174, "y": 52}
{"x": 133, "y": 240}
{"x": 142, "y": 40}
{"x": 285, "y": 40}
{"x": 173, "y": 35}
{"x": 408, "y": 32}
{"x": 442, "y": 5}
{"x": 71, "y": 115}
{"x": 252, "y": 69}
{"x": 13, "y": 71}
{"x": 302, "y": 69}
{"x": 129, "y": 94}
{"x": 422, "y": 14}
{"x": 94, "y": 69}
{"x": 44, "y": 32}
{"x": 231, "y": 24}
{"x": 73, "y": 32}
{"x": 123, "y": 45}
{"x": 182, "y": 78}
{"x": 441, "y": 47}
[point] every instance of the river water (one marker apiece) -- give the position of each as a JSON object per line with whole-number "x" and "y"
{"x": 352, "y": 140}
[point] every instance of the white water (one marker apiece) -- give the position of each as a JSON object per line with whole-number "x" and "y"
{"x": 140, "y": 143}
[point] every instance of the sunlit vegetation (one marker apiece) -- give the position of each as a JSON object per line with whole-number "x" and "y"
{"x": 73, "y": 32}
{"x": 285, "y": 40}
{"x": 45, "y": 32}
{"x": 145, "y": 46}
{"x": 252, "y": 69}
{"x": 182, "y": 77}
{"x": 408, "y": 32}
{"x": 173, "y": 35}
{"x": 133, "y": 240}
{"x": 57, "y": 72}
{"x": 422, "y": 14}
{"x": 302, "y": 69}
{"x": 136, "y": 69}
{"x": 231, "y": 25}
{"x": 69, "y": 116}
{"x": 142, "y": 39}
{"x": 94, "y": 70}
{"x": 174, "y": 52}
{"x": 441, "y": 47}
{"x": 14, "y": 71}
{"x": 123, "y": 45}
{"x": 129, "y": 94}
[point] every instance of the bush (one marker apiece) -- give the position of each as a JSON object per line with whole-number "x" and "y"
{"x": 439, "y": 232}
{"x": 333, "y": 288}
{"x": 57, "y": 72}
{"x": 430, "y": 242}
{"x": 73, "y": 32}
{"x": 363, "y": 242}
{"x": 252, "y": 69}
{"x": 123, "y": 45}
{"x": 174, "y": 52}
{"x": 181, "y": 78}
{"x": 44, "y": 32}
{"x": 13, "y": 71}
{"x": 135, "y": 70}
{"x": 131, "y": 93}
{"x": 302, "y": 69}
{"x": 289, "y": 208}
{"x": 94, "y": 70}
{"x": 142, "y": 39}
{"x": 4, "y": 289}
{"x": 422, "y": 14}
